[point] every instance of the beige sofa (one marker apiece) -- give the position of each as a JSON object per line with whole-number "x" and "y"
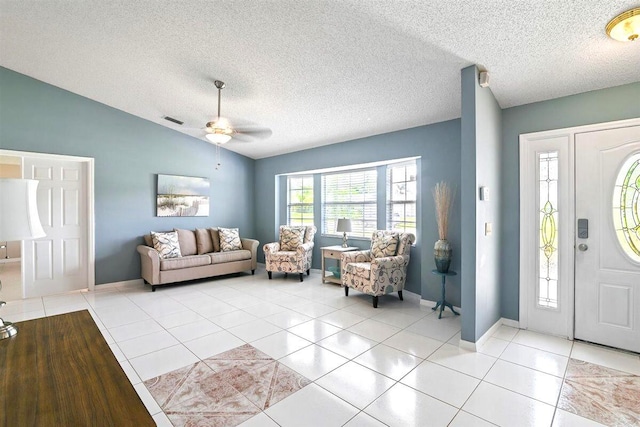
{"x": 201, "y": 258}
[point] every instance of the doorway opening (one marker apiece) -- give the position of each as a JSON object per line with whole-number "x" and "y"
{"x": 64, "y": 260}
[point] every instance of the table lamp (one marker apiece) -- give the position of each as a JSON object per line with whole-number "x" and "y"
{"x": 19, "y": 220}
{"x": 344, "y": 225}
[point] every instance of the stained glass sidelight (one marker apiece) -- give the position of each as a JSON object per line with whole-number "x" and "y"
{"x": 548, "y": 230}
{"x": 626, "y": 207}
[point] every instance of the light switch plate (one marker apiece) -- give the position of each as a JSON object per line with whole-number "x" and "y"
{"x": 484, "y": 193}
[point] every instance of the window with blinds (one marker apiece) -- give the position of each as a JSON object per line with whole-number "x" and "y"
{"x": 300, "y": 200}
{"x": 350, "y": 195}
{"x": 402, "y": 197}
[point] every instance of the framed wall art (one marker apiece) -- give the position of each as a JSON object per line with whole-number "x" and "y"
{"x": 182, "y": 196}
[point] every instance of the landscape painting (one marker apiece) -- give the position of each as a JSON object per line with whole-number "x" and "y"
{"x": 182, "y": 196}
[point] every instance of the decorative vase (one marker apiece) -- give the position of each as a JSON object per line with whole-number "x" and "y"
{"x": 442, "y": 254}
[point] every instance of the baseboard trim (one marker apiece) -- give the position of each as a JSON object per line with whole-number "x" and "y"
{"x": 134, "y": 282}
{"x": 9, "y": 260}
{"x": 511, "y": 323}
{"x": 475, "y": 346}
{"x": 412, "y": 294}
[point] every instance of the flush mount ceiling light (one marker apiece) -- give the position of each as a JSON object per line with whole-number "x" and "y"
{"x": 626, "y": 26}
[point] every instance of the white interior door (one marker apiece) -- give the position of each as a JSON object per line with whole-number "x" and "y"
{"x": 607, "y": 261}
{"x": 58, "y": 262}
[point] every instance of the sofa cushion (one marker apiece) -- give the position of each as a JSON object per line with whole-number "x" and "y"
{"x": 215, "y": 237}
{"x": 229, "y": 239}
{"x": 384, "y": 245}
{"x": 222, "y": 257}
{"x": 204, "y": 242}
{"x": 166, "y": 244}
{"x": 184, "y": 262}
{"x": 291, "y": 238}
{"x": 187, "y": 239}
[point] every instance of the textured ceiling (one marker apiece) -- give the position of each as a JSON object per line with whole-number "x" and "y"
{"x": 315, "y": 72}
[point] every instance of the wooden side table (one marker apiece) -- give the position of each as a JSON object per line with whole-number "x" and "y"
{"x": 333, "y": 252}
{"x": 443, "y": 302}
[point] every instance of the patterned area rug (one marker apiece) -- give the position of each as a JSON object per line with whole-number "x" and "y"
{"x": 224, "y": 390}
{"x": 604, "y": 395}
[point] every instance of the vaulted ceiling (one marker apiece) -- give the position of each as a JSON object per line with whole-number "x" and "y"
{"x": 315, "y": 72}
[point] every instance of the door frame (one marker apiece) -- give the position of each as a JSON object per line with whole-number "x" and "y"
{"x": 529, "y": 218}
{"x": 90, "y": 212}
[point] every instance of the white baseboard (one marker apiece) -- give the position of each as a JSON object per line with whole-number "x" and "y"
{"x": 411, "y": 294}
{"x": 475, "y": 346}
{"x": 134, "y": 282}
{"x": 8, "y": 260}
{"x": 511, "y": 323}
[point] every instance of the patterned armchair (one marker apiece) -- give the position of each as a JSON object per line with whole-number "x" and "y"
{"x": 292, "y": 254}
{"x": 380, "y": 270}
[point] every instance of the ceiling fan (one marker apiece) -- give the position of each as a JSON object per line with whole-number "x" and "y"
{"x": 220, "y": 131}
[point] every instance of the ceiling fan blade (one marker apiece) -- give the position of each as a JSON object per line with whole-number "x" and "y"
{"x": 253, "y": 133}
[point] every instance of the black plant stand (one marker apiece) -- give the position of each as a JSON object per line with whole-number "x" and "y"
{"x": 443, "y": 302}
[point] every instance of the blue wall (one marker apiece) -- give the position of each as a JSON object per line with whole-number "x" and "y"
{"x": 618, "y": 103}
{"x": 439, "y": 148}
{"x": 481, "y": 148}
{"x": 128, "y": 152}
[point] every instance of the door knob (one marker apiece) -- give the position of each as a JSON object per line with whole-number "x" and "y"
{"x": 582, "y": 247}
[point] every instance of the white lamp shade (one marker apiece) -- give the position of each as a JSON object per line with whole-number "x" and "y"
{"x": 218, "y": 138}
{"x": 344, "y": 225}
{"x": 19, "y": 219}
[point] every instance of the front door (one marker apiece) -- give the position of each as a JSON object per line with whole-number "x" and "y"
{"x": 59, "y": 261}
{"x": 607, "y": 257}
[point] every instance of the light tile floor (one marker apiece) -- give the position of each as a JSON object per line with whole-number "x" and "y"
{"x": 397, "y": 365}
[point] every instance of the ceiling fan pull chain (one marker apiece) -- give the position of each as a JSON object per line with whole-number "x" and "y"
{"x": 217, "y": 156}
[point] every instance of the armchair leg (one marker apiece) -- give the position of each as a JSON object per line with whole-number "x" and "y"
{"x": 269, "y": 273}
{"x": 346, "y": 291}
{"x": 375, "y": 302}
{"x": 286, "y": 275}
{"x": 400, "y": 295}
{"x": 308, "y": 272}
{"x": 153, "y": 288}
{"x": 301, "y": 277}
{"x": 253, "y": 272}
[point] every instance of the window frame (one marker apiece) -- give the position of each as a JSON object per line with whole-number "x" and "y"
{"x": 390, "y": 202}
{"x": 359, "y": 225}
{"x": 305, "y": 221}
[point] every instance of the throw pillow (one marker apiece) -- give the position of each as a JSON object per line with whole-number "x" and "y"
{"x": 187, "y": 240}
{"x": 309, "y": 233}
{"x": 229, "y": 239}
{"x": 215, "y": 237}
{"x": 291, "y": 238}
{"x": 384, "y": 245}
{"x": 166, "y": 244}
{"x": 203, "y": 241}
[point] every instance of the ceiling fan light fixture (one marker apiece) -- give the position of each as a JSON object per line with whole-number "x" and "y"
{"x": 218, "y": 138}
{"x": 626, "y": 26}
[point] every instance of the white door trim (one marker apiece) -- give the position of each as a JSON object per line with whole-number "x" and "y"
{"x": 529, "y": 219}
{"x": 89, "y": 161}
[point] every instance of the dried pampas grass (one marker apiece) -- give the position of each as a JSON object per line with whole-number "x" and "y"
{"x": 443, "y": 198}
